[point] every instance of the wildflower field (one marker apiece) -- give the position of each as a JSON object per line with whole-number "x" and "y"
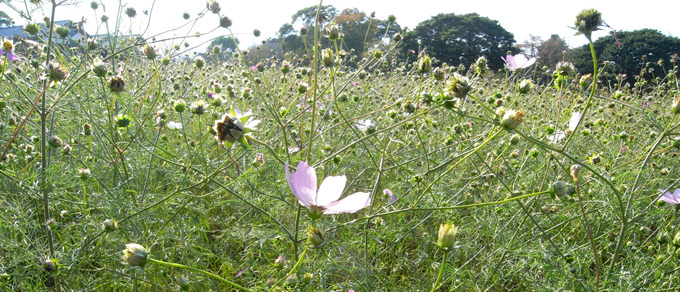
{"x": 131, "y": 165}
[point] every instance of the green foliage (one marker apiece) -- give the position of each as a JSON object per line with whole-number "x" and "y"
{"x": 5, "y": 20}
{"x": 551, "y": 51}
{"x": 455, "y": 38}
{"x": 637, "y": 49}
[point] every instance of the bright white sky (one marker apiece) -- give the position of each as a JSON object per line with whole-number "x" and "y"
{"x": 522, "y": 18}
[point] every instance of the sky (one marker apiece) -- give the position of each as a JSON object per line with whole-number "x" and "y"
{"x": 522, "y": 18}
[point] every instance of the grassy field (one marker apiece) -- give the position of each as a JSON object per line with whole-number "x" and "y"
{"x": 550, "y": 185}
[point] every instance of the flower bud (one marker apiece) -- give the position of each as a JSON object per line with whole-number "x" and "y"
{"x": 31, "y": 29}
{"x": 180, "y": 107}
{"x": 525, "y": 86}
{"x": 213, "y": 6}
{"x": 135, "y": 255}
{"x": 67, "y": 149}
{"x": 424, "y": 64}
{"x": 225, "y": 22}
{"x": 333, "y": 32}
{"x": 675, "y": 107}
{"x": 56, "y": 72}
{"x": 562, "y": 189}
{"x": 123, "y": 121}
{"x": 62, "y": 31}
{"x": 199, "y": 62}
{"x": 259, "y": 159}
{"x": 316, "y": 236}
{"x": 457, "y": 86}
{"x": 55, "y": 141}
{"x": 130, "y": 12}
{"x": 514, "y": 139}
{"x": 447, "y": 234}
{"x": 99, "y": 69}
{"x": 512, "y": 119}
{"x": 110, "y": 225}
{"x": 587, "y": 21}
{"x": 116, "y": 84}
{"x": 52, "y": 223}
{"x": 676, "y": 240}
{"x": 149, "y": 52}
{"x": 575, "y": 170}
{"x": 327, "y": 57}
{"x": 49, "y": 266}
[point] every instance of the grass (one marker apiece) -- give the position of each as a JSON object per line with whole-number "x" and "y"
{"x": 211, "y": 218}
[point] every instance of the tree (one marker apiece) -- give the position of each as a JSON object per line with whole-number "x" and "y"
{"x": 354, "y": 24}
{"x": 5, "y": 20}
{"x": 454, "y": 38}
{"x": 637, "y": 49}
{"x": 530, "y": 46}
{"x": 551, "y": 51}
{"x": 226, "y": 44}
{"x": 307, "y": 15}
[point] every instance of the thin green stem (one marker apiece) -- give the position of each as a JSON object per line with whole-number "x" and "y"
{"x": 206, "y": 273}
{"x": 441, "y": 271}
{"x": 295, "y": 267}
{"x": 590, "y": 238}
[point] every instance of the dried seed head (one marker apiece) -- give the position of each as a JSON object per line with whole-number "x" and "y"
{"x": 116, "y": 84}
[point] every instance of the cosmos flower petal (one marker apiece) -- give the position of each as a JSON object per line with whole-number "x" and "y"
{"x": 671, "y": 198}
{"x": 330, "y": 190}
{"x": 349, "y": 204}
{"x": 304, "y": 184}
{"x": 252, "y": 124}
{"x": 573, "y": 122}
{"x": 557, "y": 136}
{"x": 12, "y": 57}
{"x": 290, "y": 180}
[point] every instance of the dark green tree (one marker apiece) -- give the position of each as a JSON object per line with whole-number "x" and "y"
{"x": 5, "y": 20}
{"x": 551, "y": 51}
{"x": 454, "y": 38}
{"x": 306, "y": 15}
{"x": 637, "y": 49}
{"x": 226, "y": 45}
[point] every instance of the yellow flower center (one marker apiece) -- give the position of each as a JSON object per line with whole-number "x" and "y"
{"x": 7, "y": 46}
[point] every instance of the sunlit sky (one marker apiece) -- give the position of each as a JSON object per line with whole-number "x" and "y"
{"x": 522, "y": 18}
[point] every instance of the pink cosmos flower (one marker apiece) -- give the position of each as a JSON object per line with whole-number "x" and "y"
{"x": 302, "y": 184}
{"x": 6, "y": 50}
{"x": 513, "y": 63}
{"x": 388, "y": 192}
{"x": 671, "y": 198}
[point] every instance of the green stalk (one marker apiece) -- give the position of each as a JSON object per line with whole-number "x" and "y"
{"x": 295, "y": 267}
{"x": 441, "y": 271}
{"x": 205, "y": 273}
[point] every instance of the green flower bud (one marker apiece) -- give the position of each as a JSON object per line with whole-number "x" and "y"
{"x": 56, "y": 72}
{"x": 675, "y": 107}
{"x": 31, "y": 29}
{"x": 562, "y": 189}
{"x": 587, "y": 21}
{"x": 116, "y": 84}
{"x": 458, "y": 86}
{"x": 447, "y": 235}
{"x": 512, "y": 119}
{"x": 316, "y": 236}
{"x": 327, "y": 57}
{"x": 424, "y": 64}
{"x": 225, "y": 22}
{"x": 110, "y": 225}
{"x": 333, "y": 32}
{"x": 135, "y": 255}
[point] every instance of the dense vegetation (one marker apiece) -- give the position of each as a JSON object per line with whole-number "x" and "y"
{"x": 127, "y": 167}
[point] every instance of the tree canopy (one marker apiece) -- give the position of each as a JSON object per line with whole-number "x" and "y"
{"x": 637, "y": 48}
{"x": 454, "y": 38}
